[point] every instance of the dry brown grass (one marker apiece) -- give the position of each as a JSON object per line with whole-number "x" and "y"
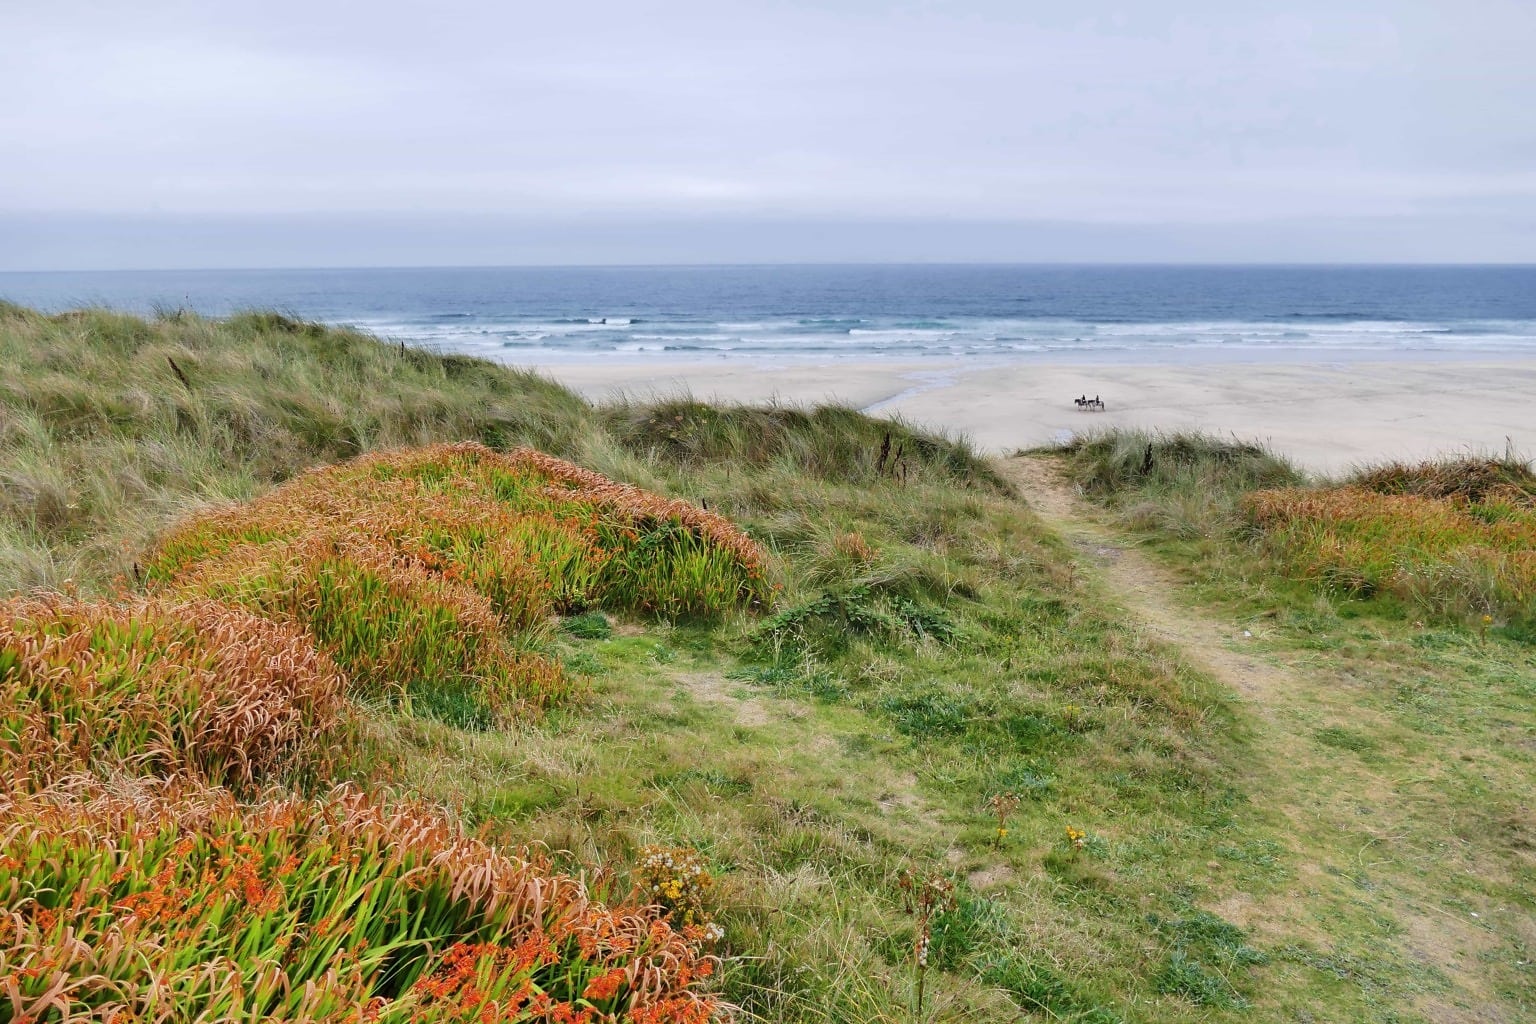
{"x": 1450, "y": 555}
{"x": 1469, "y": 479}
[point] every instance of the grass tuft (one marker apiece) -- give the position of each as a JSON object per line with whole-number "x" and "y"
{"x": 830, "y": 443}
{"x": 1451, "y": 539}
{"x": 1183, "y": 484}
{"x": 1471, "y": 479}
{"x": 1117, "y": 461}
{"x": 1448, "y": 557}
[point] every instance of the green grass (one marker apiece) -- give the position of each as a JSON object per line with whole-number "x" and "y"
{"x": 1448, "y": 558}
{"x": 828, "y": 443}
{"x": 1450, "y": 540}
{"x": 1182, "y": 484}
{"x": 860, "y": 730}
{"x": 1405, "y": 728}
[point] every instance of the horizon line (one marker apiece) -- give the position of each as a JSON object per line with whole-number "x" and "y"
{"x": 768, "y": 264}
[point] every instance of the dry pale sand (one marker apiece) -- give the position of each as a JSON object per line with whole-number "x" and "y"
{"x": 1328, "y": 416}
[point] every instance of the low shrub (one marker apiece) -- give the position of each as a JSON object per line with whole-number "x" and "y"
{"x": 152, "y": 904}
{"x": 200, "y": 689}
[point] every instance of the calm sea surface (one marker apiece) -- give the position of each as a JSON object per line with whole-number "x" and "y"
{"x": 583, "y": 313}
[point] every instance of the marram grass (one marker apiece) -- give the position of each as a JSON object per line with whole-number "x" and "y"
{"x": 1449, "y": 556}
{"x": 1451, "y": 539}
{"x": 102, "y": 445}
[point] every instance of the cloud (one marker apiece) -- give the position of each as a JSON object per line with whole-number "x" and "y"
{"x": 1194, "y": 113}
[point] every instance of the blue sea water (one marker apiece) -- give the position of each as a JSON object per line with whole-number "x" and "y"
{"x": 543, "y": 315}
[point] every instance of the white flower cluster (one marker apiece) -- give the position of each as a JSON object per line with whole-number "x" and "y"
{"x": 662, "y": 858}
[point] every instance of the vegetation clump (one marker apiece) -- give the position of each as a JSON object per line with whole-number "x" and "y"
{"x": 1470, "y": 479}
{"x": 1115, "y": 462}
{"x": 197, "y": 690}
{"x": 1449, "y": 556}
{"x": 535, "y": 533}
{"x": 431, "y": 574}
{"x": 677, "y": 880}
{"x": 1452, "y": 539}
{"x": 153, "y": 902}
{"x": 1183, "y": 484}
{"x": 407, "y": 636}
{"x": 114, "y": 426}
{"x": 826, "y": 443}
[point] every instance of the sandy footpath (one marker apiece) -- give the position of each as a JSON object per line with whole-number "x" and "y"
{"x": 1327, "y": 415}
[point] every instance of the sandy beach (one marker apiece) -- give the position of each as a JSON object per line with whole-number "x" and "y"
{"x": 1328, "y": 415}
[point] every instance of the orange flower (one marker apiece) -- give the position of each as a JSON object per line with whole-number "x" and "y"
{"x": 605, "y": 986}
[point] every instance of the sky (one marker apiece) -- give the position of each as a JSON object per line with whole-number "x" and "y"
{"x": 156, "y": 133}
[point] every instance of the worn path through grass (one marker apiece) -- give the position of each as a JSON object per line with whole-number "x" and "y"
{"x": 1385, "y": 898}
{"x": 1143, "y": 586}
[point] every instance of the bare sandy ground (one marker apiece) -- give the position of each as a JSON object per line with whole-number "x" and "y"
{"x": 1328, "y": 416}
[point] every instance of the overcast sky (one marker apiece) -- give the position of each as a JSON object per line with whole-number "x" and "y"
{"x": 154, "y": 133}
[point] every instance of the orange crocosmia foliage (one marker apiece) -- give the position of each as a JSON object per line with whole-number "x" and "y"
{"x": 671, "y": 1011}
{"x": 484, "y": 546}
{"x": 197, "y": 689}
{"x": 468, "y": 506}
{"x": 121, "y": 902}
{"x": 643, "y": 509}
{"x": 400, "y": 630}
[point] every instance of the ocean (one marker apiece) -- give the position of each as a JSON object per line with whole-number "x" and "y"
{"x": 1129, "y": 313}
